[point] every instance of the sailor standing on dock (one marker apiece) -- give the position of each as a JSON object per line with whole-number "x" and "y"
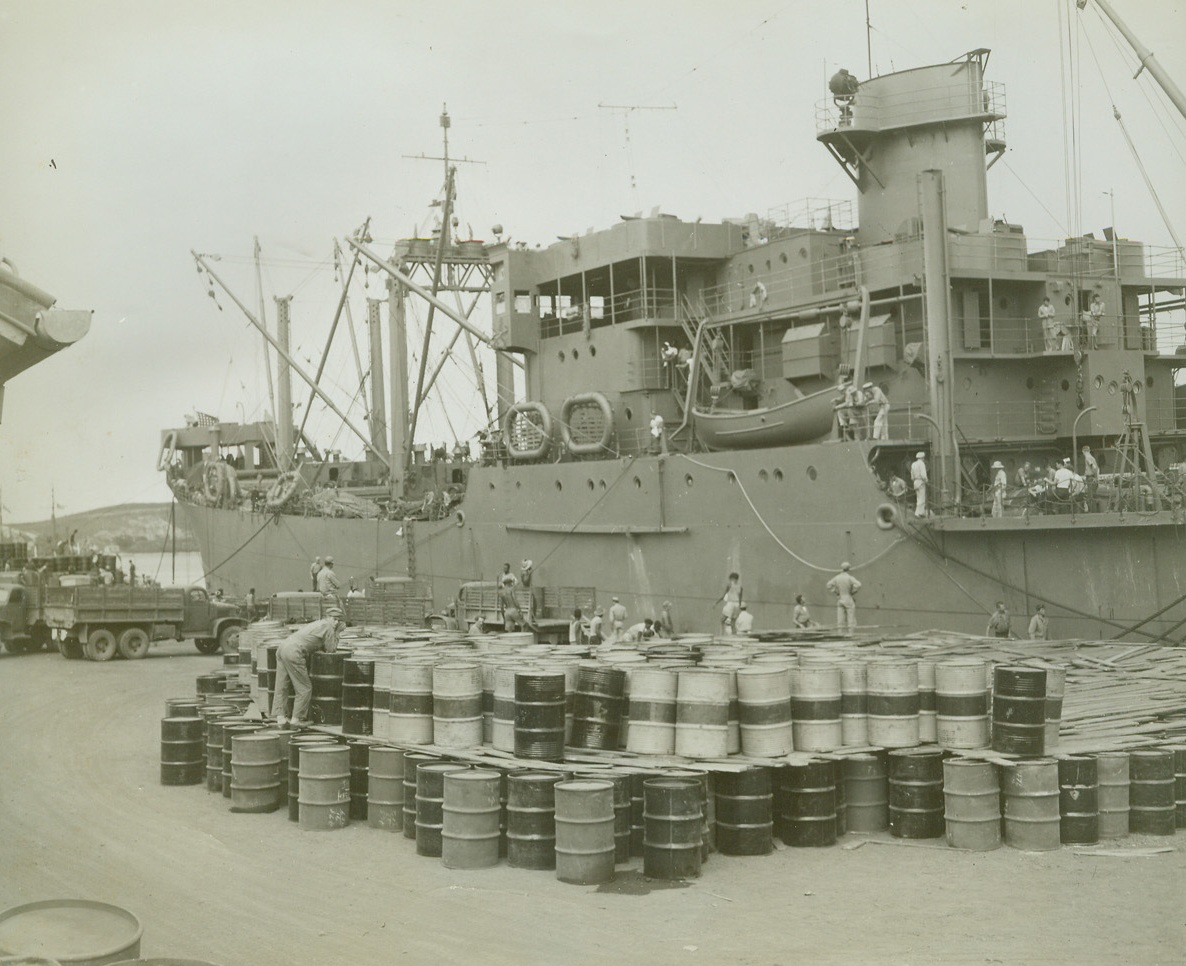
{"x": 617, "y": 621}
{"x": 292, "y": 664}
{"x": 845, "y": 586}
{"x": 999, "y": 623}
{"x": 1039, "y": 629}
{"x": 328, "y": 584}
{"x": 918, "y": 476}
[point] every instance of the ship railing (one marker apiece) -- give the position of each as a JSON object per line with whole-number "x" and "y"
{"x": 782, "y": 286}
{"x": 1023, "y": 335}
{"x": 652, "y": 374}
{"x": 561, "y": 316}
{"x": 908, "y": 106}
{"x": 1168, "y": 415}
{"x": 1163, "y": 261}
{"x": 1002, "y": 420}
{"x": 818, "y": 214}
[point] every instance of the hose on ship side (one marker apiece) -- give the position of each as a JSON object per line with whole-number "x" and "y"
{"x": 243, "y": 546}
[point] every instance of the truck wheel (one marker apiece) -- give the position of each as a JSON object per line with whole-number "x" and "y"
{"x": 228, "y": 640}
{"x": 71, "y": 650}
{"x": 133, "y": 643}
{"x": 101, "y": 646}
{"x": 206, "y": 645}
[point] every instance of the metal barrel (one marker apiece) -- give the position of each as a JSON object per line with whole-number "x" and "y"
{"x": 916, "y": 793}
{"x": 764, "y": 708}
{"x": 841, "y": 801}
{"x": 733, "y": 720}
{"x": 854, "y": 704}
{"x": 638, "y": 812}
{"x": 708, "y": 806}
{"x": 805, "y": 804}
{"x": 284, "y": 738}
{"x": 326, "y": 670}
{"x": 471, "y": 810}
{"x": 183, "y": 707}
{"x": 1179, "y": 784}
{"x": 584, "y": 831}
{"x": 488, "y": 703}
{"x": 1152, "y": 810}
{"x": 360, "y": 759}
{"x": 502, "y": 723}
{"x": 745, "y": 812}
{"x": 1078, "y": 800}
{"x": 1112, "y": 775}
{"x": 1019, "y": 710}
{"x": 358, "y": 695}
{"x": 1032, "y": 820}
{"x": 211, "y": 683}
{"x": 866, "y": 792}
{"x": 652, "y": 711}
{"x": 385, "y": 788}
{"x": 1056, "y": 681}
{"x": 214, "y": 725}
{"x": 183, "y": 753}
{"x": 295, "y": 743}
{"x": 531, "y": 819}
{"x": 815, "y": 707}
{"x": 430, "y": 801}
{"x": 893, "y": 703}
{"x": 457, "y": 704}
{"x": 409, "y": 719}
{"x": 598, "y": 706}
{"x": 672, "y": 817}
{"x": 412, "y": 761}
{"x": 539, "y": 715}
{"x": 381, "y": 697}
{"x": 324, "y": 783}
{"x": 927, "y": 723}
{"x": 971, "y": 804}
{"x": 702, "y": 713}
{"x": 961, "y": 703}
{"x": 228, "y": 733}
{"x": 255, "y": 772}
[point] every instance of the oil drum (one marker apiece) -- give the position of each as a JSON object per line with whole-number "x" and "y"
{"x": 584, "y": 831}
{"x": 471, "y": 810}
{"x": 183, "y": 753}
{"x": 961, "y": 703}
{"x": 385, "y": 788}
{"x": 358, "y": 681}
{"x": 854, "y": 704}
{"x": 815, "y": 707}
{"x": 326, "y": 670}
{"x": 744, "y": 812}
{"x": 255, "y": 772}
{"x": 539, "y": 715}
{"x": 360, "y": 759}
{"x": 531, "y": 819}
{"x": 927, "y": 723}
{"x": 1151, "y": 792}
{"x": 430, "y": 801}
{"x": 228, "y": 733}
{"x": 764, "y": 708}
{"x": 324, "y": 782}
{"x": 866, "y": 792}
{"x": 409, "y": 719}
{"x": 972, "y": 804}
{"x": 1032, "y": 819}
{"x": 1112, "y": 774}
{"x": 1078, "y": 800}
{"x": 295, "y": 743}
{"x": 598, "y": 706}
{"x": 412, "y": 761}
{"x": 805, "y": 803}
{"x": 652, "y": 711}
{"x": 1019, "y": 710}
{"x": 672, "y": 823}
{"x": 702, "y": 713}
{"x": 916, "y": 793}
{"x": 457, "y": 704}
{"x": 893, "y": 703}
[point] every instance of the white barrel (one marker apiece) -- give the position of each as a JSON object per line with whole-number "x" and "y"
{"x": 961, "y": 703}
{"x": 815, "y": 707}
{"x": 764, "y": 706}
{"x": 854, "y": 704}
{"x": 702, "y": 713}
{"x": 410, "y": 715}
{"x": 652, "y": 711}
{"x": 893, "y": 703}
{"x": 927, "y": 725}
{"x": 502, "y": 728}
{"x": 457, "y": 704}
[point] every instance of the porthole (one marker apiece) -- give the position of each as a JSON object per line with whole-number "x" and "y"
{"x": 518, "y": 484}
{"x": 731, "y": 477}
{"x": 559, "y": 485}
{"x": 1136, "y": 387}
{"x": 1149, "y": 381}
{"x": 637, "y": 483}
{"x": 1065, "y": 385}
{"x": 811, "y": 473}
{"x": 601, "y": 483}
{"x": 590, "y": 484}
{"x": 592, "y": 350}
{"x": 1029, "y": 383}
{"x": 763, "y": 475}
{"x": 802, "y": 252}
{"x": 561, "y": 355}
{"x": 778, "y": 476}
{"x": 1066, "y": 300}
{"x": 575, "y": 355}
{"x": 782, "y": 257}
{"x": 750, "y": 269}
{"x": 688, "y": 481}
{"x": 492, "y": 484}
{"x": 1113, "y": 388}
{"x": 1098, "y": 382}
{"x": 629, "y": 413}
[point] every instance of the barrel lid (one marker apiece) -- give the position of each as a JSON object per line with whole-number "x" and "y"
{"x": 584, "y": 785}
{"x": 473, "y": 774}
{"x": 69, "y": 930}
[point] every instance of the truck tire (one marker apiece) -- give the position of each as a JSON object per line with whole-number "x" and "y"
{"x": 228, "y": 639}
{"x": 71, "y": 650}
{"x": 100, "y": 645}
{"x": 206, "y": 645}
{"x": 133, "y": 643}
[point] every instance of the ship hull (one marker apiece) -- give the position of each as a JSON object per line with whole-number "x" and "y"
{"x": 651, "y": 529}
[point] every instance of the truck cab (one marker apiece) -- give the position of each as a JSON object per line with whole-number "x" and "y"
{"x": 21, "y": 628}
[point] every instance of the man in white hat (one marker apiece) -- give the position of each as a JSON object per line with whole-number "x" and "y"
{"x": 292, "y": 664}
{"x": 1000, "y": 484}
{"x": 918, "y": 476}
{"x": 1064, "y": 479}
{"x": 845, "y": 586}
{"x": 877, "y": 400}
{"x": 617, "y": 620}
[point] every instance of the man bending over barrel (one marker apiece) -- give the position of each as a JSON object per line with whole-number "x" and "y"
{"x": 292, "y": 663}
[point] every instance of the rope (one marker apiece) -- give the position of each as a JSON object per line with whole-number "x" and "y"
{"x": 241, "y": 547}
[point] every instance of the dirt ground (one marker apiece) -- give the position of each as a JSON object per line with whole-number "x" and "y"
{"x": 82, "y": 814}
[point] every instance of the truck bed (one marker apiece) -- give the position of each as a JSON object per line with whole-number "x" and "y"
{"x": 67, "y": 606}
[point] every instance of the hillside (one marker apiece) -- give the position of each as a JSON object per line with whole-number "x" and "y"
{"x": 133, "y": 527}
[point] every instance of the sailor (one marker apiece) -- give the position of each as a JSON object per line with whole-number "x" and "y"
{"x": 857, "y": 406}
{"x": 617, "y": 620}
{"x": 744, "y": 622}
{"x": 1095, "y": 315}
{"x": 506, "y": 578}
{"x": 1091, "y": 475}
{"x": 717, "y": 348}
{"x": 731, "y": 598}
{"x": 843, "y": 406}
{"x": 292, "y": 664}
{"x": 1000, "y": 485}
{"x": 512, "y": 615}
{"x": 249, "y": 605}
{"x": 314, "y": 570}
{"x": 132, "y": 572}
{"x": 845, "y": 587}
{"x": 1025, "y": 474}
{"x": 577, "y": 628}
{"x": 595, "y": 623}
{"x": 526, "y": 569}
{"x": 1064, "y": 480}
{"x": 665, "y": 625}
{"x": 642, "y": 631}
{"x": 658, "y": 437}
{"x": 802, "y": 616}
{"x": 670, "y": 355}
{"x": 897, "y": 487}
{"x": 1046, "y": 317}
{"x": 1039, "y": 626}
{"x": 998, "y": 622}
{"x": 875, "y": 397}
{"x": 328, "y": 584}
{"x": 918, "y": 477}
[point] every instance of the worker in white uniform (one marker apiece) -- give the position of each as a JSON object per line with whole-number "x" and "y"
{"x": 1046, "y": 317}
{"x": 1095, "y": 316}
{"x": 918, "y": 477}
{"x": 743, "y": 623}
{"x": 845, "y": 586}
{"x": 1000, "y": 485}
{"x": 876, "y": 398}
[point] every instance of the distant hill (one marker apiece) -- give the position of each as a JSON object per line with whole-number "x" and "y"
{"x": 133, "y": 527}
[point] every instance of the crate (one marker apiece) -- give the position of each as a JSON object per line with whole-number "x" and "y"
{"x": 294, "y": 607}
{"x": 559, "y": 602}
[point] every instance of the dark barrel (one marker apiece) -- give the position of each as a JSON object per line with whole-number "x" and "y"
{"x": 539, "y": 715}
{"x": 1179, "y": 784}
{"x": 360, "y": 760}
{"x": 531, "y": 819}
{"x": 358, "y": 680}
{"x": 326, "y": 670}
{"x": 430, "y": 800}
{"x": 621, "y": 782}
{"x": 214, "y": 683}
{"x": 1078, "y": 800}
{"x": 1151, "y": 792}
{"x": 708, "y": 806}
{"x": 1019, "y": 710}
{"x": 671, "y": 846}
{"x": 598, "y": 704}
{"x": 183, "y": 753}
{"x": 745, "y": 812}
{"x": 637, "y": 812}
{"x": 866, "y": 792}
{"x": 805, "y": 803}
{"x": 916, "y": 793}
{"x": 412, "y": 761}
{"x": 183, "y": 707}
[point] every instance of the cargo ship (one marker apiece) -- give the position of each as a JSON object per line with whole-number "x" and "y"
{"x": 678, "y": 401}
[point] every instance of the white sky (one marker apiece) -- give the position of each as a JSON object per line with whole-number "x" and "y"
{"x": 174, "y": 126}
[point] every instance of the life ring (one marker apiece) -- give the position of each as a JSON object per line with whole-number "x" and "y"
{"x": 168, "y": 451}
{"x": 214, "y": 483}
{"x": 757, "y": 295}
{"x": 544, "y": 426}
{"x": 607, "y": 423}
{"x": 282, "y": 490}
{"x": 887, "y": 516}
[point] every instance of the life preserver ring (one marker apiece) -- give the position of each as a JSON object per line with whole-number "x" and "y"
{"x": 214, "y": 483}
{"x": 282, "y": 490}
{"x": 168, "y": 451}
{"x": 607, "y": 424}
{"x": 544, "y": 425}
{"x": 887, "y": 516}
{"x": 757, "y": 295}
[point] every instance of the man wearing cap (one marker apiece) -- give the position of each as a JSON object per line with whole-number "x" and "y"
{"x": 918, "y": 476}
{"x": 845, "y": 586}
{"x": 1000, "y": 484}
{"x": 617, "y": 620}
{"x": 328, "y": 584}
{"x": 292, "y": 664}
{"x": 843, "y": 406}
{"x": 595, "y": 623}
{"x": 1064, "y": 477}
{"x": 314, "y": 570}
{"x": 876, "y": 398}
{"x": 743, "y": 623}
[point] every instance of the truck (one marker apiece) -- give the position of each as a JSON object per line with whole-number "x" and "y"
{"x": 22, "y": 629}
{"x": 99, "y": 622}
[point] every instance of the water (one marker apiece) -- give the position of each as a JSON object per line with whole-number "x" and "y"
{"x": 160, "y": 567}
